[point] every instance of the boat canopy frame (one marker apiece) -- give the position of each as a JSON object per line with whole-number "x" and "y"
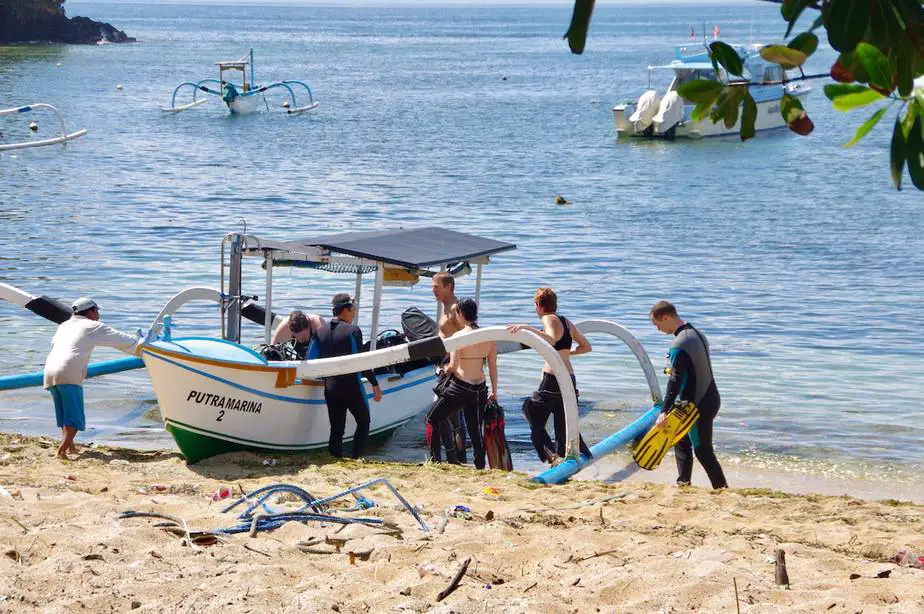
{"x": 413, "y": 252}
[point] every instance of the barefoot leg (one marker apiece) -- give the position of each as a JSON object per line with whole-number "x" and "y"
{"x": 68, "y": 444}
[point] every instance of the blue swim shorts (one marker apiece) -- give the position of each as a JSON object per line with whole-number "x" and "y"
{"x": 69, "y": 405}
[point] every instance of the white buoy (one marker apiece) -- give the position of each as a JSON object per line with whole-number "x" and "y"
{"x": 58, "y": 64}
{"x": 285, "y": 104}
{"x": 33, "y": 126}
{"x": 119, "y": 87}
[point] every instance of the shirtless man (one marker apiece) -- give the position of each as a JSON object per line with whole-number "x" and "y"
{"x": 466, "y": 389}
{"x": 452, "y": 431}
{"x": 299, "y": 326}
{"x": 561, "y": 333}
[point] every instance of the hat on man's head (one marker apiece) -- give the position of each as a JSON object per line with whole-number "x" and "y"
{"x": 84, "y": 303}
{"x": 341, "y": 300}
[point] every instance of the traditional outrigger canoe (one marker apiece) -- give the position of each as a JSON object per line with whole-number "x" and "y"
{"x": 246, "y": 97}
{"x": 217, "y": 395}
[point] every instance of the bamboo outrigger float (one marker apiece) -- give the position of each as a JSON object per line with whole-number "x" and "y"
{"x": 63, "y": 135}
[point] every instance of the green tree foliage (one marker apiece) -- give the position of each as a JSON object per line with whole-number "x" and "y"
{"x": 881, "y": 63}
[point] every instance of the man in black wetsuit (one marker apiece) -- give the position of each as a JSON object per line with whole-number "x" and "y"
{"x": 691, "y": 379}
{"x": 344, "y": 393}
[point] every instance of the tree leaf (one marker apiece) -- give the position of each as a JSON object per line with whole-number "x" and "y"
{"x": 853, "y": 101}
{"x": 726, "y": 55}
{"x": 700, "y": 111}
{"x": 806, "y": 42}
{"x": 877, "y": 67}
{"x": 791, "y": 10}
{"x": 846, "y": 23}
{"x": 901, "y": 59}
{"x": 914, "y": 153}
{"x": 701, "y": 90}
{"x": 790, "y": 108}
{"x": 580, "y": 24}
{"x": 897, "y": 154}
{"x": 783, "y": 55}
{"x": 866, "y": 126}
{"x": 748, "y": 117}
{"x": 835, "y": 90}
{"x": 732, "y": 104}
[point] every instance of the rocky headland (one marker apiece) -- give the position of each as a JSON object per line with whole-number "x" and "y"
{"x": 45, "y": 21}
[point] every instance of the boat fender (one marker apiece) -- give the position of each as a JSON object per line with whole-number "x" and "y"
{"x": 426, "y": 348}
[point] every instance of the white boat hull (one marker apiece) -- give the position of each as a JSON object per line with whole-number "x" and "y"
{"x": 768, "y": 118}
{"x": 217, "y": 405}
{"x": 245, "y": 104}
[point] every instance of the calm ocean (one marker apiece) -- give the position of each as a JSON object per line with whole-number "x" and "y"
{"x": 795, "y": 256}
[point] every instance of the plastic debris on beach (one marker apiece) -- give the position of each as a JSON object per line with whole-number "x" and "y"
{"x": 259, "y": 516}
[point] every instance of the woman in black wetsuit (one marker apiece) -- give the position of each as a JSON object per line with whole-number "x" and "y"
{"x": 466, "y": 388}
{"x": 547, "y": 401}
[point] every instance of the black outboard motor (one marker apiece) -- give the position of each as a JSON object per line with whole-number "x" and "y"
{"x": 418, "y": 325}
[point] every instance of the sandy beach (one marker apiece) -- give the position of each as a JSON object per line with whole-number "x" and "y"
{"x": 584, "y": 546}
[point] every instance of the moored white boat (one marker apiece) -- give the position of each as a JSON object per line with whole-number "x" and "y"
{"x": 668, "y": 116}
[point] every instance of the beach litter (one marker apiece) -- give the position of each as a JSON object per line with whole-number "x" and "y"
{"x": 222, "y": 493}
{"x": 258, "y": 516}
{"x": 905, "y": 558}
{"x": 459, "y": 511}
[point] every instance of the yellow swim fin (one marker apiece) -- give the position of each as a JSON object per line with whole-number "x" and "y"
{"x": 651, "y": 449}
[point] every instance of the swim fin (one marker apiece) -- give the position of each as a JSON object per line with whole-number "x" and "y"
{"x": 651, "y": 449}
{"x": 495, "y": 441}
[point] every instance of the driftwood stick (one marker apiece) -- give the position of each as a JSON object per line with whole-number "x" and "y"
{"x": 455, "y": 581}
{"x": 782, "y": 577}
{"x": 595, "y": 555}
{"x": 737, "y": 603}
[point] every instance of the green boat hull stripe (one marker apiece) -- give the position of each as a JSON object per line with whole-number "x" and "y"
{"x": 169, "y": 422}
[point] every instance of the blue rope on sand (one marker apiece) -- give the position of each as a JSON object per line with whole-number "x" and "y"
{"x": 269, "y": 491}
{"x": 273, "y": 519}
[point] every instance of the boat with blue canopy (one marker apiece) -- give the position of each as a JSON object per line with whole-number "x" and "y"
{"x": 668, "y": 115}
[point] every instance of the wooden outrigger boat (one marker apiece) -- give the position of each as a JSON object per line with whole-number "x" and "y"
{"x": 63, "y": 135}
{"x": 218, "y": 395}
{"x": 246, "y": 97}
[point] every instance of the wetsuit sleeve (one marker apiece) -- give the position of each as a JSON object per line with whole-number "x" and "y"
{"x": 357, "y": 339}
{"x": 314, "y": 351}
{"x": 681, "y": 371}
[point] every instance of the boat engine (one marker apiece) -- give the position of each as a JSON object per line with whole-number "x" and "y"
{"x": 670, "y": 113}
{"x": 645, "y": 110}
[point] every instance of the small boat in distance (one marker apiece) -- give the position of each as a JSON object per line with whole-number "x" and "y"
{"x": 668, "y": 116}
{"x": 245, "y": 98}
{"x": 63, "y": 135}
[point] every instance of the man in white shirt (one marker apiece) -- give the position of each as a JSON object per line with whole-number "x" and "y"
{"x": 66, "y": 365}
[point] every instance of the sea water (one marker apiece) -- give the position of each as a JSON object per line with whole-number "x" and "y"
{"x": 795, "y": 256}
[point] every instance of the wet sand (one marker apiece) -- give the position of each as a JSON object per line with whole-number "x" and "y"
{"x": 585, "y": 546}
